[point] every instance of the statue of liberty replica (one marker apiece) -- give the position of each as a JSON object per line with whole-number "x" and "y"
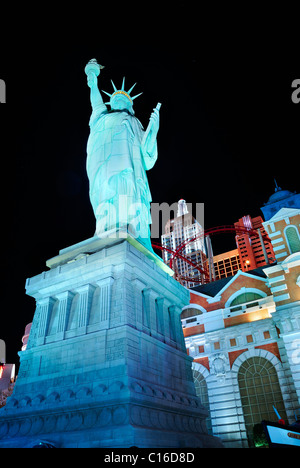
{"x": 119, "y": 154}
{"x": 105, "y": 365}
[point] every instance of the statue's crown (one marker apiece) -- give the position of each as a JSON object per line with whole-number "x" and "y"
{"x": 122, "y": 91}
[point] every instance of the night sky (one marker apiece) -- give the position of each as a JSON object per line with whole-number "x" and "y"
{"x": 228, "y": 127}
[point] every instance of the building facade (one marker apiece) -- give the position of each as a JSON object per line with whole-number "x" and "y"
{"x": 226, "y": 264}
{"x": 178, "y": 230}
{"x": 243, "y": 333}
{"x": 8, "y": 372}
{"x": 254, "y": 251}
{"x": 7, "y": 382}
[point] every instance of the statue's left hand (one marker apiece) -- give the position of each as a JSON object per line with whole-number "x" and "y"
{"x": 154, "y": 121}
{"x": 149, "y": 147}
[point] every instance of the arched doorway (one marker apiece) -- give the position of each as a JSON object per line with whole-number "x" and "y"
{"x": 259, "y": 390}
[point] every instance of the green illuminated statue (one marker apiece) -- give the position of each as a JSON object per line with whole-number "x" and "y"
{"x": 119, "y": 152}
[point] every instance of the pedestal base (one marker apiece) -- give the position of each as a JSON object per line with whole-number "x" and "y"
{"x": 105, "y": 364}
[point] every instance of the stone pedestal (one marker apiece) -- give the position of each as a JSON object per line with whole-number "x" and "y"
{"x": 105, "y": 364}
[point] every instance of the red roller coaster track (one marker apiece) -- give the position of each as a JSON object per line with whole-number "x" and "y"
{"x": 215, "y": 230}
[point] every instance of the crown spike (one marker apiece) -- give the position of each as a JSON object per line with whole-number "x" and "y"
{"x": 128, "y": 92}
{"x": 110, "y": 95}
{"x": 134, "y": 97}
{"x": 115, "y": 89}
{"x": 123, "y": 84}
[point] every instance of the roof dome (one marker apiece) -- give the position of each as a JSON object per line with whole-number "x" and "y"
{"x": 278, "y": 195}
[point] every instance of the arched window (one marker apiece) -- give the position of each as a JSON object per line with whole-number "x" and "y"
{"x": 190, "y": 312}
{"x": 245, "y": 297}
{"x": 292, "y": 237}
{"x": 259, "y": 390}
{"x": 202, "y": 393}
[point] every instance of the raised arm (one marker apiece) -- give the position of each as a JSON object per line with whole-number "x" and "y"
{"x": 92, "y": 71}
{"x": 96, "y": 98}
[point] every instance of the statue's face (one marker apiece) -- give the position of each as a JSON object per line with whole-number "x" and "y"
{"x": 120, "y": 102}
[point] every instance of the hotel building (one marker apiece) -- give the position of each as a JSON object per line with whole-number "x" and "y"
{"x": 243, "y": 332}
{"x": 178, "y": 230}
{"x": 226, "y": 264}
{"x": 254, "y": 251}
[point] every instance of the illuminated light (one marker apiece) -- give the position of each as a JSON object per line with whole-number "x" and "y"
{"x": 125, "y": 94}
{"x": 190, "y": 331}
{"x": 247, "y": 318}
{"x": 1, "y": 371}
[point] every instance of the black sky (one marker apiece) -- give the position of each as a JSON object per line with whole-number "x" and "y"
{"x": 228, "y": 127}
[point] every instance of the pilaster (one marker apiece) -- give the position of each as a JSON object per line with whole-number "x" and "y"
{"x": 65, "y": 301}
{"x": 44, "y": 311}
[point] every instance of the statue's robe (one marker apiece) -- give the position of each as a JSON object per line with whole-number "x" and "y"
{"x": 117, "y": 162}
